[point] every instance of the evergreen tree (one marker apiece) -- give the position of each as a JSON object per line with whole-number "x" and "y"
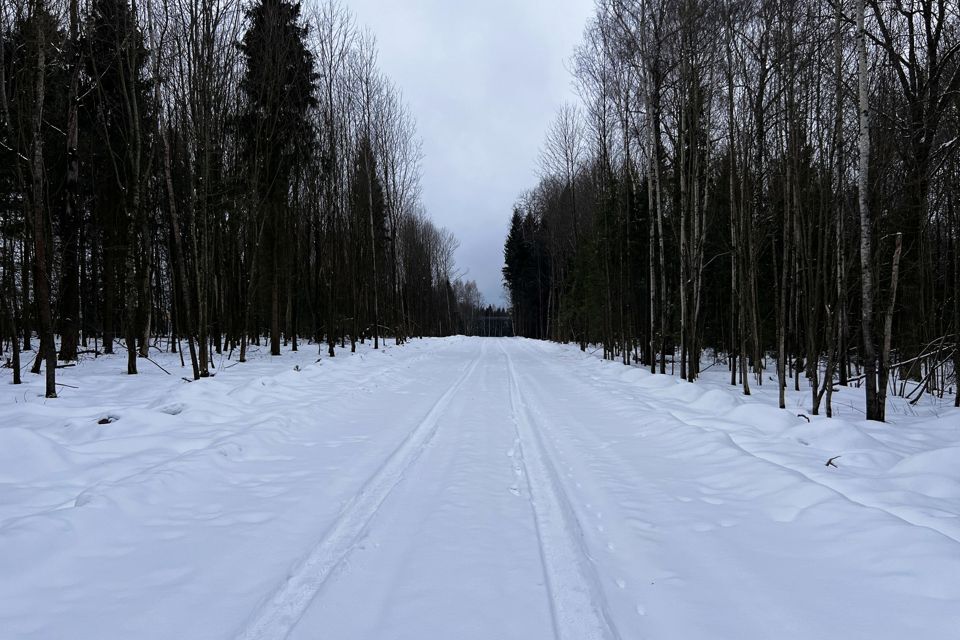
{"x": 514, "y": 258}
{"x": 279, "y": 86}
{"x": 527, "y": 274}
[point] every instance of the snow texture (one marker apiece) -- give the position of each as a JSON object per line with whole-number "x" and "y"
{"x": 469, "y": 489}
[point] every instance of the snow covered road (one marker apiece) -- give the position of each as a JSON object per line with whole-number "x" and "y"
{"x": 462, "y": 489}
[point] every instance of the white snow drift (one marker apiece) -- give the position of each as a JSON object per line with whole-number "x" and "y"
{"x": 467, "y": 488}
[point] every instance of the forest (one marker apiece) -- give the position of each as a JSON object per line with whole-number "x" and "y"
{"x": 764, "y": 185}
{"x": 214, "y": 171}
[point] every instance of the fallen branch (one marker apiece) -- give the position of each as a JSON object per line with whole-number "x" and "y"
{"x": 147, "y": 358}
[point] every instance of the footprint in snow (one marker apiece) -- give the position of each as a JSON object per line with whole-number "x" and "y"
{"x": 230, "y": 450}
{"x": 84, "y": 499}
{"x": 171, "y": 409}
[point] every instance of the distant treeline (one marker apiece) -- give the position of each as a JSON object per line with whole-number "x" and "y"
{"x": 217, "y": 170}
{"x": 771, "y": 180}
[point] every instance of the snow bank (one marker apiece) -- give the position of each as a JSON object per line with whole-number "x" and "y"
{"x": 907, "y": 467}
{"x": 467, "y": 489}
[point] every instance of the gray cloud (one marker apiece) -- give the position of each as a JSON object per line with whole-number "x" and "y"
{"x": 483, "y": 80}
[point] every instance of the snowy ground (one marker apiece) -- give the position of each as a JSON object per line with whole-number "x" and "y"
{"x": 466, "y": 489}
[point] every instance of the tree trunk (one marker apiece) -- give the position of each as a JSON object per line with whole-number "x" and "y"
{"x": 70, "y": 305}
{"x": 866, "y": 223}
{"x": 176, "y": 245}
{"x": 887, "y": 333}
{"x": 41, "y": 264}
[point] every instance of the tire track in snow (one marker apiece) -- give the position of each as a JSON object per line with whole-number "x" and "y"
{"x": 280, "y": 612}
{"x": 577, "y": 605}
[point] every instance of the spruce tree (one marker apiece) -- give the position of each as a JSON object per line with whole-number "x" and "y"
{"x": 514, "y": 257}
{"x": 279, "y": 85}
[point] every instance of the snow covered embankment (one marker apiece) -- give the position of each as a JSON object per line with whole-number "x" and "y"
{"x": 129, "y": 500}
{"x": 908, "y": 467}
{"x": 468, "y": 489}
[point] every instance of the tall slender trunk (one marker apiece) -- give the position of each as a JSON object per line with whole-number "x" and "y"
{"x": 782, "y": 311}
{"x": 41, "y": 264}
{"x": 70, "y": 304}
{"x": 373, "y": 254}
{"x": 275, "y": 292}
{"x": 866, "y": 223}
{"x": 9, "y": 302}
{"x": 108, "y": 252}
{"x": 652, "y": 250}
{"x": 838, "y": 190}
{"x": 26, "y": 262}
{"x": 738, "y": 342}
{"x": 956, "y": 304}
{"x": 887, "y": 332}
{"x": 684, "y": 250}
{"x": 176, "y": 245}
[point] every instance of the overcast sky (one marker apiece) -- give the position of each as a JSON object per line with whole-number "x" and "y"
{"x": 484, "y": 79}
